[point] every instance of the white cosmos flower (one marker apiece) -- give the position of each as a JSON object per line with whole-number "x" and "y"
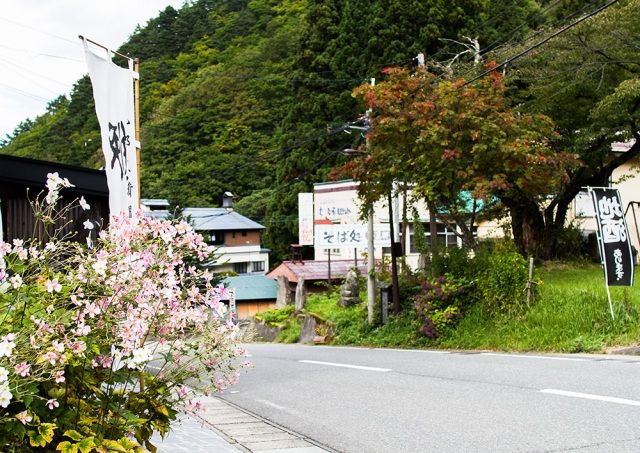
{"x": 4, "y": 374}
{"x": 6, "y": 348}
{"x": 5, "y": 395}
{"x": 83, "y": 204}
{"x": 16, "y": 281}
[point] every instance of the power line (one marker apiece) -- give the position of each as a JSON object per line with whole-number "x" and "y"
{"x": 11, "y": 21}
{"x": 24, "y": 93}
{"x": 540, "y": 43}
{"x": 40, "y": 54}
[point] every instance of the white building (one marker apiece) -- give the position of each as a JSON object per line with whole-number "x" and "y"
{"x": 237, "y": 238}
{"x": 332, "y": 213}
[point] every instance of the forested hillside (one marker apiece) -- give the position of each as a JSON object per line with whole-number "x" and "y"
{"x": 247, "y": 95}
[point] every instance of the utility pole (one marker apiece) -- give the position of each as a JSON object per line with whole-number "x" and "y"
{"x": 371, "y": 278}
{"x": 395, "y": 289}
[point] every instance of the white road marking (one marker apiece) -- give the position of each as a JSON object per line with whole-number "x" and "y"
{"x": 280, "y": 408}
{"x": 269, "y": 403}
{"x": 424, "y": 351}
{"x": 589, "y": 396}
{"x": 344, "y": 365}
{"x": 540, "y": 357}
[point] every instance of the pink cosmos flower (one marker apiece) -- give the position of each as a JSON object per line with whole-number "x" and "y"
{"x": 50, "y": 357}
{"x": 23, "y": 369}
{"x": 53, "y": 286}
{"x": 78, "y": 347}
{"x": 24, "y": 417}
{"x": 57, "y": 346}
{"x": 58, "y": 376}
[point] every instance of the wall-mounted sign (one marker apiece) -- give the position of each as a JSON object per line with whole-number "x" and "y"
{"x": 352, "y": 235}
{"x": 305, "y": 218}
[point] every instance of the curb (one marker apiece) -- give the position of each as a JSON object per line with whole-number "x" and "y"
{"x": 251, "y": 432}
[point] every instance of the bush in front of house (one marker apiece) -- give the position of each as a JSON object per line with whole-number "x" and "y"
{"x": 97, "y": 342}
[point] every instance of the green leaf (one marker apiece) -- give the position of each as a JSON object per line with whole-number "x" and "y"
{"x": 74, "y": 435}
{"x": 46, "y": 430}
{"x": 86, "y": 445}
{"x": 113, "y": 445}
{"x": 36, "y": 439}
{"x": 67, "y": 447}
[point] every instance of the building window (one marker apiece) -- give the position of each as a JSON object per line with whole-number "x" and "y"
{"x": 446, "y": 236}
{"x": 244, "y": 234}
{"x": 258, "y": 266}
{"x": 240, "y": 268}
{"x": 214, "y": 237}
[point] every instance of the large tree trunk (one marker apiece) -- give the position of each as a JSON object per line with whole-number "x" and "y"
{"x": 529, "y": 229}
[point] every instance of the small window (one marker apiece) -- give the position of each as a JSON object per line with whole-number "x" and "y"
{"x": 244, "y": 234}
{"x": 258, "y": 266}
{"x": 240, "y": 268}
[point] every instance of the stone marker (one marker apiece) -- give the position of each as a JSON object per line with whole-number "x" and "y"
{"x": 301, "y": 295}
{"x": 284, "y": 295}
{"x": 350, "y": 290}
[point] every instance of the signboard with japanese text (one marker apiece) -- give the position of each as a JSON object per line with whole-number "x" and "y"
{"x": 615, "y": 246}
{"x": 305, "y": 218}
{"x": 114, "y": 101}
{"x": 352, "y": 235}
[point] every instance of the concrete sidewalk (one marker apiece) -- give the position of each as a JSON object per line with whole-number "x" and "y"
{"x": 224, "y": 428}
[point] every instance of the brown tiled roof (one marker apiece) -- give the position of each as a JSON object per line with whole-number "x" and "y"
{"x": 315, "y": 270}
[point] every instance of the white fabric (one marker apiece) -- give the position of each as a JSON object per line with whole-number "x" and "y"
{"x": 114, "y": 99}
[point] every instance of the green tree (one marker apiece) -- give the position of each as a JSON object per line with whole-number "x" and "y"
{"x": 586, "y": 80}
{"x": 452, "y": 139}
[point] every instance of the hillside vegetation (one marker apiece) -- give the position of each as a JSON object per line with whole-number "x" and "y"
{"x": 248, "y": 95}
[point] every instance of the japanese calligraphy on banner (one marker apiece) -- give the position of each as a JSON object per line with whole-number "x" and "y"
{"x": 114, "y": 99}
{"x": 305, "y": 218}
{"x": 350, "y": 235}
{"x": 615, "y": 247}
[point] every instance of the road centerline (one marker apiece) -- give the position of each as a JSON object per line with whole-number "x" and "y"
{"x": 346, "y": 365}
{"x": 590, "y": 396}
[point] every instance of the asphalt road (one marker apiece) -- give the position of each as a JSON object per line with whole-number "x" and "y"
{"x": 376, "y": 400}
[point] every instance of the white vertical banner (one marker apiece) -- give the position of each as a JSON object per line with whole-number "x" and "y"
{"x": 305, "y": 218}
{"x": 114, "y": 99}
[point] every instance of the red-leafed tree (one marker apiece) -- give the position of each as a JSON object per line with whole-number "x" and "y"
{"x": 451, "y": 140}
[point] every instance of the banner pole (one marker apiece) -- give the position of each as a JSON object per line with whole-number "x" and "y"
{"x": 136, "y": 97}
{"x": 613, "y": 318}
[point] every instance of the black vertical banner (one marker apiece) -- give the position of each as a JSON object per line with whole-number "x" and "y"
{"x": 615, "y": 246}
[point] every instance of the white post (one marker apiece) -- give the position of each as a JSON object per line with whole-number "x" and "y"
{"x": 371, "y": 278}
{"x": 613, "y": 318}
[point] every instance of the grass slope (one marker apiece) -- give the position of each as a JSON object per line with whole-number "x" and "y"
{"x": 569, "y": 314}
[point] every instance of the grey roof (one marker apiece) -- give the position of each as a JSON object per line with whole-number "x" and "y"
{"x": 162, "y": 214}
{"x": 154, "y": 202}
{"x": 219, "y": 219}
{"x": 252, "y": 287}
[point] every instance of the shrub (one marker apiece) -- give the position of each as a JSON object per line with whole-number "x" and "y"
{"x": 453, "y": 261}
{"x": 439, "y": 304}
{"x": 80, "y": 326}
{"x": 291, "y": 330}
{"x": 501, "y": 277}
{"x": 275, "y": 317}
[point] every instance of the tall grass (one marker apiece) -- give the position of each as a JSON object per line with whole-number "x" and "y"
{"x": 569, "y": 314}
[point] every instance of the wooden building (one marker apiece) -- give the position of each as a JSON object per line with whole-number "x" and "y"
{"x": 22, "y": 179}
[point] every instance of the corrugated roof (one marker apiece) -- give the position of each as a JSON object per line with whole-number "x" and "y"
{"x": 162, "y": 214}
{"x": 252, "y": 287}
{"x": 154, "y": 202}
{"x": 316, "y": 270}
{"x": 219, "y": 219}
